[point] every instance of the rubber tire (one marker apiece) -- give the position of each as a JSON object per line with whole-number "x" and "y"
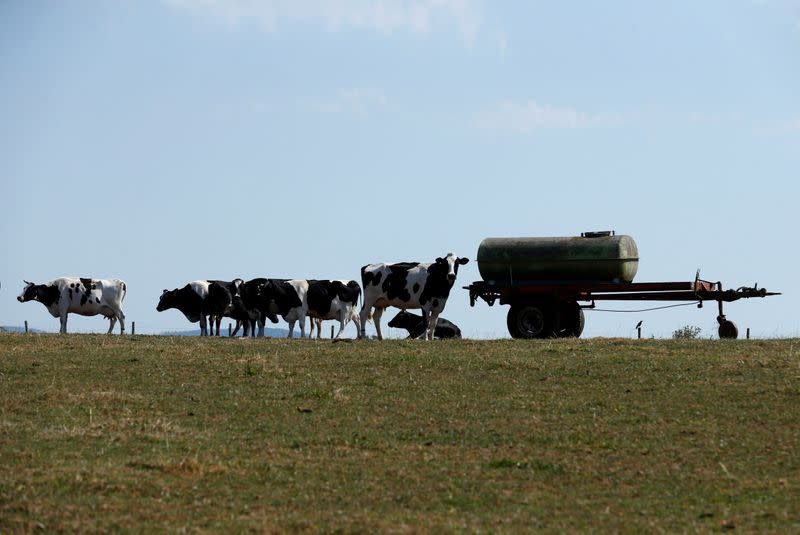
{"x": 511, "y": 323}
{"x": 728, "y": 330}
{"x": 531, "y": 321}
{"x": 572, "y": 320}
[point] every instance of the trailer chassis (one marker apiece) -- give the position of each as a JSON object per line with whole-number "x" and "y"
{"x": 549, "y": 309}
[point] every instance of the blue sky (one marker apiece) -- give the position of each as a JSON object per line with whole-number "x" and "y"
{"x": 166, "y": 141}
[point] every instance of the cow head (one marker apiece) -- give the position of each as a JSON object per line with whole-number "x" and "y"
{"x": 450, "y": 265}
{"x": 167, "y": 300}
{"x": 28, "y": 292}
{"x": 237, "y": 287}
{"x": 402, "y": 319}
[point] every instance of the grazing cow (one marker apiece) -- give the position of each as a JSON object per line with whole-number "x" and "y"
{"x": 247, "y": 308}
{"x": 408, "y": 285}
{"x": 416, "y": 326}
{"x": 84, "y": 296}
{"x": 332, "y": 300}
{"x": 199, "y": 300}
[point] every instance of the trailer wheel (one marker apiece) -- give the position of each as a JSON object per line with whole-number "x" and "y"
{"x": 572, "y": 320}
{"x": 531, "y": 321}
{"x": 511, "y": 323}
{"x": 728, "y": 329}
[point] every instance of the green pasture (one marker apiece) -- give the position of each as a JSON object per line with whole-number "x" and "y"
{"x": 174, "y": 434}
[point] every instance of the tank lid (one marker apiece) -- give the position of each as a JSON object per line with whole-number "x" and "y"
{"x": 597, "y": 234}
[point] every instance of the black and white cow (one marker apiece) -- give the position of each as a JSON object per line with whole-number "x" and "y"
{"x": 332, "y": 300}
{"x": 408, "y": 285}
{"x": 286, "y": 298}
{"x": 199, "y": 300}
{"x": 84, "y": 296}
{"x": 415, "y": 326}
{"x": 248, "y": 309}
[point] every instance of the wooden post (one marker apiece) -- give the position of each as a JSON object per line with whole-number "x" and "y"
{"x": 639, "y": 330}
{"x": 230, "y": 329}
{"x": 331, "y": 331}
{"x": 748, "y": 333}
{"x": 133, "y": 328}
{"x": 26, "y": 326}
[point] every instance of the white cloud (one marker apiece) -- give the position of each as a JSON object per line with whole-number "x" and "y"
{"x": 528, "y": 117}
{"x": 786, "y": 127}
{"x": 386, "y": 16}
{"x": 359, "y": 100}
{"x": 703, "y": 118}
{"x": 502, "y": 44}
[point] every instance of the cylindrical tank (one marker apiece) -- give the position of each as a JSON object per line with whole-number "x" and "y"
{"x": 593, "y": 256}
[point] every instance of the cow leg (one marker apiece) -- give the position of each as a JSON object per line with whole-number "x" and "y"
{"x": 302, "y": 321}
{"x": 121, "y": 318}
{"x": 291, "y": 328}
{"x": 261, "y": 323}
{"x": 219, "y": 322}
{"x": 63, "y": 319}
{"x": 342, "y": 323}
{"x": 318, "y": 322}
{"x": 376, "y": 319}
{"x": 424, "y": 325}
{"x": 432, "y": 324}
{"x": 362, "y": 325}
{"x": 343, "y": 319}
{"x": 356, "y": 320}
{"x": 112, "y": 320}
{"x": 203, "y": 327}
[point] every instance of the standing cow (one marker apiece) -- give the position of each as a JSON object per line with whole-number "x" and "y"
{"x": 199, "y": 300}
{"x": 332, "y": 300}
{"x": 287, "y": 298}
{"x": 84, "y": 296}
{"x": 248, "y": 308}
{"x": 408, "y": 285}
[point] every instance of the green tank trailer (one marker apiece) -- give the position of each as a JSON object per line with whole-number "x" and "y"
{"x": 548, "y": 282}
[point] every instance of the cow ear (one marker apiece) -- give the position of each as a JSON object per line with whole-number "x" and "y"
{"x": 440, "y": 260}
{"x": 463, "y": 261}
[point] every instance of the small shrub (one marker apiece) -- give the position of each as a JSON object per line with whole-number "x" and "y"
{"x": 687, "y": 332}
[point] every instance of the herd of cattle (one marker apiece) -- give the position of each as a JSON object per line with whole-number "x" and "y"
{"x": 405, "y": 285}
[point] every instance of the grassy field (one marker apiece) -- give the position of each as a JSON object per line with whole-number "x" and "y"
{"x": 107, "y": 433}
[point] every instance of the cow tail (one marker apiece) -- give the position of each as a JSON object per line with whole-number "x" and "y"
{"x": 124, "y": 291}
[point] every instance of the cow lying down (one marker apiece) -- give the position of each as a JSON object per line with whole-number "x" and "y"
{"x": 416, "y": 326}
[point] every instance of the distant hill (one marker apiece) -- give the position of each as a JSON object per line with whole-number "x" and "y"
{"x": 15, "y": 329}
{"x": 274, "y": 333}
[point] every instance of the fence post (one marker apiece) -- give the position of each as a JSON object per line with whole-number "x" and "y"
{"x": 133, "y": 328}
{"x": 26, "y": 326}
{"x": 331, "y": 331}
{"x": 639, "y": 330}
{"x": 230, "y": 329}
{"x": 748, "y": 333}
